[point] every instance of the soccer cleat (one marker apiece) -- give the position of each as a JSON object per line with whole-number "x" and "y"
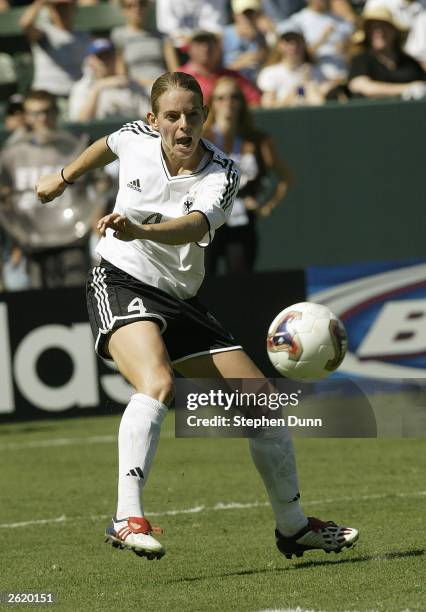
{"x": 134, "y": 533}
{"x": 317, "y": 535}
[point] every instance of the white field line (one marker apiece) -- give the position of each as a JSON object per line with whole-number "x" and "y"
{"x": 298, "y": 609}
{"x": 52, "y": 442}
{"x": 217, "y": 507}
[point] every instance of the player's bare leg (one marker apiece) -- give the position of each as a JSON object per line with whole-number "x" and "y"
{"x": 273, "y": 455}
{"x": 140, "y": 355}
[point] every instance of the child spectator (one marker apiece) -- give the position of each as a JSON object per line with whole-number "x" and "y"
{"x": 326, "y": 35}
{"x": 293, "y": 79}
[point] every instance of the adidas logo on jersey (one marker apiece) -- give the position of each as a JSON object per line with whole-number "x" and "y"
{"x": 136, "y": 185}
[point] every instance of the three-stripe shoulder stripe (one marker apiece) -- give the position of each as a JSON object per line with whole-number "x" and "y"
{"x": 140, "y": 129}
{"x": 231, "y": 188}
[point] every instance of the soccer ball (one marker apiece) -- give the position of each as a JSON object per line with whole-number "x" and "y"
{"x": 306, "y": 341}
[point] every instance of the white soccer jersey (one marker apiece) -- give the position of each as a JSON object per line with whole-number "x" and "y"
{"x": 148, "y": 194}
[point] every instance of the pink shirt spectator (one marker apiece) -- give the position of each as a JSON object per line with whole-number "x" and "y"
{"x": 207, "y": 82}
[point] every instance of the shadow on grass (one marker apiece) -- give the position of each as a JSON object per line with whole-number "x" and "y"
{"x": 306, "y": 564}
{"x": 8, "y": 429}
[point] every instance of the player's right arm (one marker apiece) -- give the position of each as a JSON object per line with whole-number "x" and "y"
{"x": 97, "y": 155}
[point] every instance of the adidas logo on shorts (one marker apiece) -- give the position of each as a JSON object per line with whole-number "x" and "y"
{"x": 136, "y": 185}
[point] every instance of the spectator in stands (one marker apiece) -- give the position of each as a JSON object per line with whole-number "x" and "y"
{"x": 58, "y": 50}
{"x": 205, "y": 65}
{"x": 14, "y": 118}
{"x": 383, "y": 69}
{"x": 278, "y": 10}
{"x": 326, "y": 35}
{"x": 181, "y": 19}
{"x": 243, "y": 44}
{"x": 141, "y": 54}
{"x": 404, "y": 12}
{"x": 48, "y": 243}
{"x": 291, "y": 79}
{"x": 13, "y": 273}
{"x": 416, "y": 41}
{"x": 103, "y": 92}
{"x": 230, "y": 127}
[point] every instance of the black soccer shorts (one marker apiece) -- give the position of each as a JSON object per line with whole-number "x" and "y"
{"x": 115, "y": 299}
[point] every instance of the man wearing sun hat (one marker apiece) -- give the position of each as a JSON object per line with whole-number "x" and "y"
{"x": 411, "y": 17}
{"x": 383, "y": 69}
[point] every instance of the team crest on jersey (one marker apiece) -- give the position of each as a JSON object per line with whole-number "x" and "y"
{"x": 188, "y": 204}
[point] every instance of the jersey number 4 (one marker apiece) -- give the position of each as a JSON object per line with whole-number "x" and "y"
{"x": 136, "y": 305}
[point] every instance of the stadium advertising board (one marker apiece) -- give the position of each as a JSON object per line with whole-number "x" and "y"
{"x": 383, "y": 306}
{"x": 48, "y": 366}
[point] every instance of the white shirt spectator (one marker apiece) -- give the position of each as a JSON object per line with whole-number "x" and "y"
{"x": 416, "y": 42}
{"x": 58, "y": 56}
{"x": 282, "y": 80}
{"x": 330, "y": 54}
{"x": 182, "y": 18}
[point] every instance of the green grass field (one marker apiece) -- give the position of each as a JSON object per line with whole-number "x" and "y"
{"x": 58, "y": 491}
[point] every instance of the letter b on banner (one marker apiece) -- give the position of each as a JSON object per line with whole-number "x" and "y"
{"x": 398, "y": 330}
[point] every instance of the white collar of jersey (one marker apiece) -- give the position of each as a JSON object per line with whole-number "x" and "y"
{"x": 205, "y": 160}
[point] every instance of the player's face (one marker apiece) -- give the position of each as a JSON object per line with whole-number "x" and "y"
{"x": 180, "y": 121}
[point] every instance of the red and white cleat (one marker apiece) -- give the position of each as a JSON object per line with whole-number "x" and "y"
{"x": 134, "y": 533}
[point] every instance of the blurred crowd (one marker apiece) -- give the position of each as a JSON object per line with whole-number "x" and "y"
{"x": 255, "y": 53}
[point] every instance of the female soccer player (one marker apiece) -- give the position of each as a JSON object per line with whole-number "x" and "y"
{"x": 175, "y": 191}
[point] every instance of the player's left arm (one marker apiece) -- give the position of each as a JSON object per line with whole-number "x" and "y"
{"x": 280, "y": 169}
{"x": 183, "y": 230}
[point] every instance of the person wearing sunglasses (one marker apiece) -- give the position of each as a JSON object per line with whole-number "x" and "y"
{"x": 230, "y": 127}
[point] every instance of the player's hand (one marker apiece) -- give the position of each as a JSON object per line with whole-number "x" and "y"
{"x": 50, "y": 187}
{"x": 123, "y": 228}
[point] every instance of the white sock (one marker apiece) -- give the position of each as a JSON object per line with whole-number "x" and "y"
{"x": 137, "y": 442}
{"x": 273, "y": 456}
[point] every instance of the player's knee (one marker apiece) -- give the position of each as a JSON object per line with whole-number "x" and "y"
{"x": 160, "y": 386}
